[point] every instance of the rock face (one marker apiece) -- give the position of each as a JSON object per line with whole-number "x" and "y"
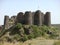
{"x": 28, "y": 18}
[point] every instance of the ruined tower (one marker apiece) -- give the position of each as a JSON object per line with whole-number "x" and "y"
{"x": 28, "y": 18}
{"x": 38, "y": 18}
{"x": 47, "y": 19}
{"x": 13, "y": 18}
{"x": 12, "y": 21}
{"x": 6, "y": 22}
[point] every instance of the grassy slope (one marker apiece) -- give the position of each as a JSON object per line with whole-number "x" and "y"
{"x": 37, "y": 41}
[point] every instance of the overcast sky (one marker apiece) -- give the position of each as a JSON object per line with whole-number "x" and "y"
{"x": 12, "y": 7}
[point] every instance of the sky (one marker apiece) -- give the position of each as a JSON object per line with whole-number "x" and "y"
{"x": 12, "y": 7}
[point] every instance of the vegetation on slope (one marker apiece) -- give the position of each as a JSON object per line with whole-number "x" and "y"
{"x": 21, "y": 32}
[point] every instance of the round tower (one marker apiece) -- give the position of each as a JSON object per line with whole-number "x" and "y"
{"x": 19, "y": 18}
{"x": 28, "y": 18}
{"x": 38, "y": 18}
{"x": 47, "y": 19}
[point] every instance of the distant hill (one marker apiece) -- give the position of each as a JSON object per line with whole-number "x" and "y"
{"x": 56, "y": 25}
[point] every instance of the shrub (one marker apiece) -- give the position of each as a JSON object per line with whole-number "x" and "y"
{"x": 24, "y": 38}
{"x": 19, "y": 25}
{"x": 36, "y": 31}
{"x": 53, "y": 36}
{"x": 17, "y": 29}
{"x": 30, "y": 36}
{"x": 16, "y": 37}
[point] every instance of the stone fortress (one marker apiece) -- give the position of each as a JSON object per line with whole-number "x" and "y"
{"x": 28, "y": 18}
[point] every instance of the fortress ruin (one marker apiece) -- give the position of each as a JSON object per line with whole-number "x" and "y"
{"x": 28, "y": 18}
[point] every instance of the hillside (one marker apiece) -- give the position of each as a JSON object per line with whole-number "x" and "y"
{"x": 24, "y": 33}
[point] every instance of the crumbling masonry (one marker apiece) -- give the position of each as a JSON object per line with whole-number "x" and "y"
{"x": 28, "y": 18}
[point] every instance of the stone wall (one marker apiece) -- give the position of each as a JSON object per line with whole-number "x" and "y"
{"x": 42, "y": 16}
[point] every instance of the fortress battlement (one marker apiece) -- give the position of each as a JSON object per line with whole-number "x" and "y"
{"x": 28, "y": 18}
